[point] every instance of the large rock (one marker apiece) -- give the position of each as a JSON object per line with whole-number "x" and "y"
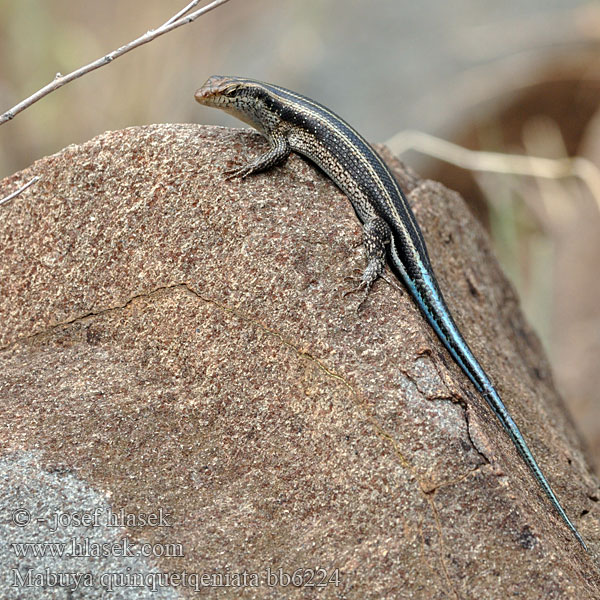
{"x": 175, "y": 342}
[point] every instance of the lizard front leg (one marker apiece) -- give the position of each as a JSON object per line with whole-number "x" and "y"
{"x": 277, "y": 153}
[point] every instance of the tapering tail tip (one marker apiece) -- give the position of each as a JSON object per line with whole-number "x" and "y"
{"x": 580, "y": 540}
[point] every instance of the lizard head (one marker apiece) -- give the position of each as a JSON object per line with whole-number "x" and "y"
{"x": 246, "y": 99}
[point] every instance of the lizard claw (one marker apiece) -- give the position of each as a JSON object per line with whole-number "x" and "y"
{"x": 363, "y": 285}
{"x": 366, "y": 285}
{"x": 351, "y": 278}
{"x": 392, "y": 283}
{"x": 237, "y": 172}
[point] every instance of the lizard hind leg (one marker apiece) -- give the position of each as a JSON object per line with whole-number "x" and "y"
{"x": 376, "y": 236}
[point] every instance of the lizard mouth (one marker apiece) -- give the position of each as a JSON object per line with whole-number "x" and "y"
{"x": 213, "y": 90}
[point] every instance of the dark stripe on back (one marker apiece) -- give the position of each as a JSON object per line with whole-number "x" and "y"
{"x": 331, "y": 138}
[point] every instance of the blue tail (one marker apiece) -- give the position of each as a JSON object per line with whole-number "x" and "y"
{"x": 427, "y": 295}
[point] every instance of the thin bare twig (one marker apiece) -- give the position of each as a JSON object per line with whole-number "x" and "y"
{"x": 497, "y": 162}
{"x": 61, "y": 80}
{"x": 182, "y": 12}
{"x": 17, "y": 192}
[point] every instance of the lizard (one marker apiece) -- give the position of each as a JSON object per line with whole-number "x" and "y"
{"x": 294, "y": 123}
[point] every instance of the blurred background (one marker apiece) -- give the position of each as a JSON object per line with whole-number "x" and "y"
{"x": 511, "y": 77}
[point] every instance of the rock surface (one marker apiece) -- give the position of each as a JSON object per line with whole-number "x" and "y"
{"x": 178, "y": 345}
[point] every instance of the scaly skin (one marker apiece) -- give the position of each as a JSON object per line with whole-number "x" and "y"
{"x": 292, "y": 122}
